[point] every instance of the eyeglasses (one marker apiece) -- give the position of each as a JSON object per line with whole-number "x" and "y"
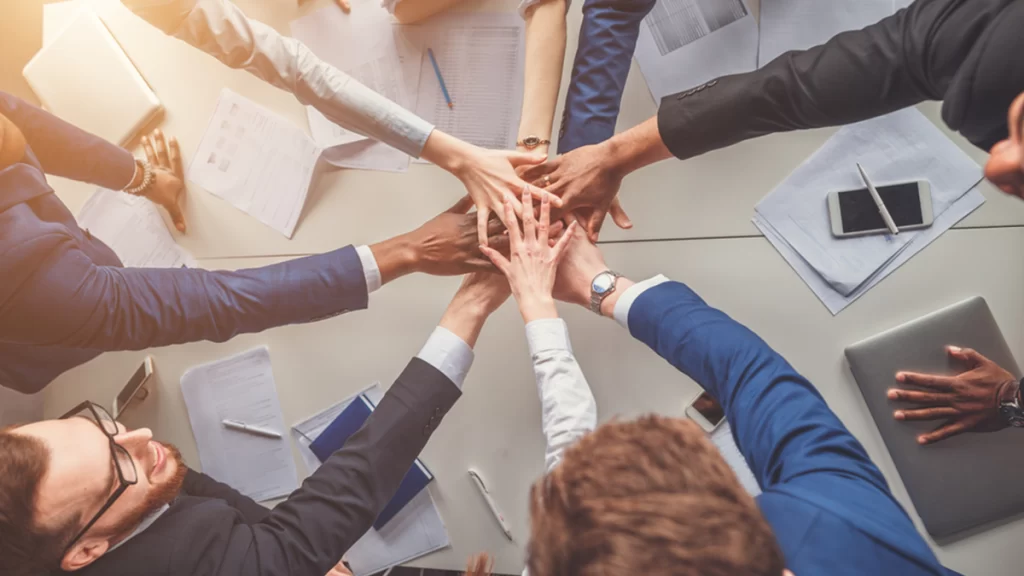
{"x": 123, "y": 463}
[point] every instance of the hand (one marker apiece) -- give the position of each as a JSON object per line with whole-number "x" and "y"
{"x": 533, "y": 262}
{"x": 488, "y": 176}
{"x": 169, "y": 177}
{"x": 582, "y": 261}
{"x": 480, "y": 294}
{"x": 586, "y": 183}
{"x": 448, "y": 245}
{"x": 967, "y": 402}
{"x": 339, "y": 570}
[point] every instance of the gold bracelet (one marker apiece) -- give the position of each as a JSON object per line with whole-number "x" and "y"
{"x": 147, "y": 178}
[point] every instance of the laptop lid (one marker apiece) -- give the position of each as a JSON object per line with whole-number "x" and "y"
{"x": 961, "y": 482}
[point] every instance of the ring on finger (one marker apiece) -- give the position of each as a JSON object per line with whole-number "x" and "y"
{"x": 546, "y": 180}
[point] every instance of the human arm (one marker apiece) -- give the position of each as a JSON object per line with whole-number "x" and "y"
{"x": 545, "y": 54}
{"x": 201, "y": 485}
{"x": 222, "y": 30}
{"x": 967, "y": 402}
{"x": 58, "y": 296}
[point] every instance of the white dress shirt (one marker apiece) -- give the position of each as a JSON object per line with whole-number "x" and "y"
{"x": 223, "y": 31}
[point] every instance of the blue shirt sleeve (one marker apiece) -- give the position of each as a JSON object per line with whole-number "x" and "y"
{"x": 71, "y": 302}
{"x": 782, "y": 425}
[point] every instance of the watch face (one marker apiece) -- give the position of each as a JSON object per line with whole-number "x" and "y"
{"x": 531, "y": 141}
{"x": 602, "y": 283}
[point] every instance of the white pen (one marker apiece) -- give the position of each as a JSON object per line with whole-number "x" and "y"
{"x": 243, "y": 427}
{"x": 491, "y": 504}
{"x": 878, "y": 202}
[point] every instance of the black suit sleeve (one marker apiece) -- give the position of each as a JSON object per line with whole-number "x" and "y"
{"x": 201, "y": 485}
{"x": 309, "y": 532}
{"x": 900, "y": 61}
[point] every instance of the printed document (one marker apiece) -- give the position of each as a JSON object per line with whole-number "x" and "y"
{"x": 370, "y": 48}
{"x": 684, "y": 43}
{"x": 801, "y": 24}
{"x": 900, "y": 147}
{"x": 242, "y": 388}
{"x": 256, "y": 160}
{"x": 134, "y": 229}
{"x": 415, "y": 531}
{"x": 481, "y": 58}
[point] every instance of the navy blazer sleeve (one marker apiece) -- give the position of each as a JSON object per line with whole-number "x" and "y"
{"x": 310, "y": 531}
{"x": 67, "y": 151}
{"x": 902, "y": 60}
{"x": 202, "y": 486}
{"x": 71, "y": 302}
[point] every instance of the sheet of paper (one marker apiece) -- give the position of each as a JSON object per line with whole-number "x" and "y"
{"x": 684, "y": 43}
{"x": 134, "y": 229}
{"x": 723, "y": 439}
{"x": 801, "y": 24}
{"x": 481, "y": 57}
{"x": 900, "y": 147}
{"x": 415, "y": 531}
{"x": 240, "y": 387}
{"x": 17, "y": 408}
{"x": 256, "y": 160}
{"x": 836, "y": 302}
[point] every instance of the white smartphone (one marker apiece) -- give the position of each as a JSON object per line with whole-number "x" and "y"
{"x": 706, "y": 412}
{"x": 135, "y": 389}
{"x": 854, "y": 212}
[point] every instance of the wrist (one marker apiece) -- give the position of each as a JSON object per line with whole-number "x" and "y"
{"x": 537, "y": 308}
{"x": 447, "y": 151}
{"x": 608, "y": 304}
{"x": 396, "y": 257}
{"x": 465, "y": 317}
{"x": 137, "y": 174}
{"x": 1009, "y": 391}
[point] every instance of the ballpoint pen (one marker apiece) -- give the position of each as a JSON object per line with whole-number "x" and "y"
{"x": 878, "y": 202}
{"x": 490, "y": 503}
{"x": 440, "y": 79}
{"x": 249, "y": 428}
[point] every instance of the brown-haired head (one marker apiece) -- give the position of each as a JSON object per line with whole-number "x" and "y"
{"x": 651, "y": 497}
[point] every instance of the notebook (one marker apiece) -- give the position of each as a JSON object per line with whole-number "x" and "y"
{"x": 85, "y": 78}
{"x": 344, "y": 426}
{"x": 966, "y": 481}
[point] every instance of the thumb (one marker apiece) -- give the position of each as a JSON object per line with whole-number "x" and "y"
{"x": 619, "y": 215}
{"x": 517, "y": 159}
{"x": 968, "y": 355}
{"x": 594, "y": 224}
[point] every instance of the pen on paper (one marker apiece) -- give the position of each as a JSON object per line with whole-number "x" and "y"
{"x": 479, "y": 483}
{"x": 250, "y": 429}
{"x": 878, "y": 202}
{"x": 440, "y": 79}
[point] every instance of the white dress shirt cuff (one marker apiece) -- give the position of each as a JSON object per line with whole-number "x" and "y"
{"x": 631, "y": 294}
{"x": 449, "y": 354}
{"x": 370, "y": 269}
{"x": 546, "y": 335}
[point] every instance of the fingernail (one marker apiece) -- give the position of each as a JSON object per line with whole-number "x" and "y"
{"x": 922, "y": 440}
{"x": 893, "y": 394}
{"x": 954, "y": 349}
{"x": 898, "y": 415}
{"x": 900, "y": 376}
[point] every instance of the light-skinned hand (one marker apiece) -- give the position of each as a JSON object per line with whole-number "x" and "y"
{"x": 533, "y": 262}
{"x": 168, "y": 189}
{"x": 967, "y": 402}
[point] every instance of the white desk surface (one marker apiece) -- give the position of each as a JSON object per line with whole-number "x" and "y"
{"x": 711, "y": 196}
{"x": 495, "y": 426}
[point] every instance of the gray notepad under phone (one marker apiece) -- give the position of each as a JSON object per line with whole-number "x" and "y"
{"x": 962, "y": 482}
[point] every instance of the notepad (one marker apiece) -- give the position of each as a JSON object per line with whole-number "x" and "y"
{"x": 85, "y": 78}
{"x": 348, "y": 423}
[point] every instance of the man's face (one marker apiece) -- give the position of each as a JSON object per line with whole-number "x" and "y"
{"x": 12, "y": 143}
{"x": 82, "y": 476}
{"x": 1005, "y": 167}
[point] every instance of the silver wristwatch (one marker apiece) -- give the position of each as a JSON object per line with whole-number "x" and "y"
{"x": 601, "y": 287}
{"x": 1012, "y": 411}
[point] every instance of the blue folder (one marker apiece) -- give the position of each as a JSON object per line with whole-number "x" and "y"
{"x": 348, "y": 423}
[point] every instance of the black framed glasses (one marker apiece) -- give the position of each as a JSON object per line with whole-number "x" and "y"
{"x": 124, "y": 466}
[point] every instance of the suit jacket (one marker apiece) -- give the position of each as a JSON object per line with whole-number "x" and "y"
{"x": 826, "y": 501}
{"x": 65, "y": 296}
{"x": 211, "y": 530}
{"x": 964, "y": 52}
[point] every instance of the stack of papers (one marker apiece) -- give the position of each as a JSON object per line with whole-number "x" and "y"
{"x": 684, "y": 43}
{"x": 415, "y": 531}
{"x": 258, "y": 161}
{"x": 900, "y": 147}
{"x": 723, "y": 439}
{"x": 801, "y": 24}
{"x": 240, "y": 388}
{"x": 481, "y": 57}
{"x": 133, "y": 228}
{"x": 374, "y": 51}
